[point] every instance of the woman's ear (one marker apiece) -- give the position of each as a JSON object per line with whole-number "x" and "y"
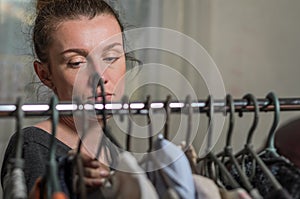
{"x": 43, "y": 72}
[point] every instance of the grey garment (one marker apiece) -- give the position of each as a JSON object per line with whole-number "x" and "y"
{"x": 168, "y": 167}
{"x": 35, "y": 154}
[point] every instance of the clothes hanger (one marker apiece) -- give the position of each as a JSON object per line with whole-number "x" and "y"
{"x": 250, "y": 99}
{"x": 84, "y": 123}
{"x": 171, "y": 193}
{"x": 77, "y": 159}
{"x": 270, "y": 149}
{"x": 129, "y": 126}
{"x": 188, "y": 104}
{"x": 51, "y": 177}
{"x": 228, "y": 151}
{"x": 248, "y": 148}
{"x": 186, "y": 146}
{"x": 150, "y": 130}
{"x": 168, "y": 112}
{"x": 210, "y": 156}
{"x": 15, "y": 187}
{"x": 98, "y": 81}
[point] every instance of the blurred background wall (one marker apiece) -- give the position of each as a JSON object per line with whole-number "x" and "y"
{"x": 255, "y": 45}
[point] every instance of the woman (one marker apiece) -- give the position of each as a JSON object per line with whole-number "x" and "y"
{"x": 73, "y": 40}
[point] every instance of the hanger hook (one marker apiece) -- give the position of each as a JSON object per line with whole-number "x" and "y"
{"x": 168, "y": 112}
{"x": 105, "y": 129}
{"x": 148, "y": 107}
{"x": 188, "y": 104}
{"x": 81, "y": 107}
{"x": 252, "y": 99}
{"x": 20, "y": 116}
{"x": 129, "y": 127}
{"x": 210, "y": 112}
{"x": 55, "y": 118}
{"x": 275, "y": 101}
{"x": 230, "y": 103}
{"x": 53, "y": 180}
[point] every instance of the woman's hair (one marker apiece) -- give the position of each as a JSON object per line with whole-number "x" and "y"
{"x": 50, "y": 13}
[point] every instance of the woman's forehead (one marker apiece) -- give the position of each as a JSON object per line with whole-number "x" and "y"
{"x": 85, "y": 33}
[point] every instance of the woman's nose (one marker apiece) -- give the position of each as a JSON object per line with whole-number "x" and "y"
{"x": 104, "y": 78}
{"x": 96, "y": 80}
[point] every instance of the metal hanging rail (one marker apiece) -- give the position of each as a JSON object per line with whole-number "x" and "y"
{"x": 68, "y": 108}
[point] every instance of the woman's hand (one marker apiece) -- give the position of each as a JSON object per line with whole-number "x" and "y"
{"x": 94, "y": 171}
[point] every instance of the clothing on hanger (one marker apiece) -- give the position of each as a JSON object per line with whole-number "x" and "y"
{"x": 172, "y": 162}
{"x": 280, "y": 194}
{"x": 285, "y": 172}
{"x": 206, "y": 188}
{"x": 191, "y": 155}
{"x": 287, "y": 175}
{"x": 234, "y": 194}
{"x": 129, "y": 181}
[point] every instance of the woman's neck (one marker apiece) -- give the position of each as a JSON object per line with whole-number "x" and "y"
{"x": 68, "y": 122}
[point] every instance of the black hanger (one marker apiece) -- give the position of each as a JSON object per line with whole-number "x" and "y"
{"x": 129, "y": 126}
{"x": 228, "y": 151}
{"x": 248, "y": 148}
{"x": 168, "y": 112}
{"x": 270, "y": 148}
{"x": 19, "y": 124}
{"x": 77, "y": 160}
{"x": 51, "y": 177}
{"x": 106, "y": 130}
{"x": 211, "y": 157}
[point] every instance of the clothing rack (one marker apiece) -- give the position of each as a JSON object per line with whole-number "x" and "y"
{"x": 200, "y": 106}
{"x": 208, "y": 106}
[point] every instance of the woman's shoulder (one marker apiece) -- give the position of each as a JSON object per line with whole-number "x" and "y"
{"x": 33, "y": 135}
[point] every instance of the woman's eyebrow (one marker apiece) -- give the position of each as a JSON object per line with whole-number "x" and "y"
{"x": 82, "y": 52}
{"x": 110, "y": 46}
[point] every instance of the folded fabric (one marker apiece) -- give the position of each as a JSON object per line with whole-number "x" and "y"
{"x": 130, "y": 181}
{"x": 234, "y": 194}
{"x": 168, "y": 167}
{"x": 206, "y": 188}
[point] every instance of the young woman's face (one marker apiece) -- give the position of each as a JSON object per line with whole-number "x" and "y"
{"x": 79, "y": 49}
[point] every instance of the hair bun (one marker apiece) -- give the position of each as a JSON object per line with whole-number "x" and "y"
{"x": 40, "y": 4}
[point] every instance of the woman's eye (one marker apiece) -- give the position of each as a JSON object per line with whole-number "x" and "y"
{"x": 110, "y": 59}
{"x": 77, "y": 64}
